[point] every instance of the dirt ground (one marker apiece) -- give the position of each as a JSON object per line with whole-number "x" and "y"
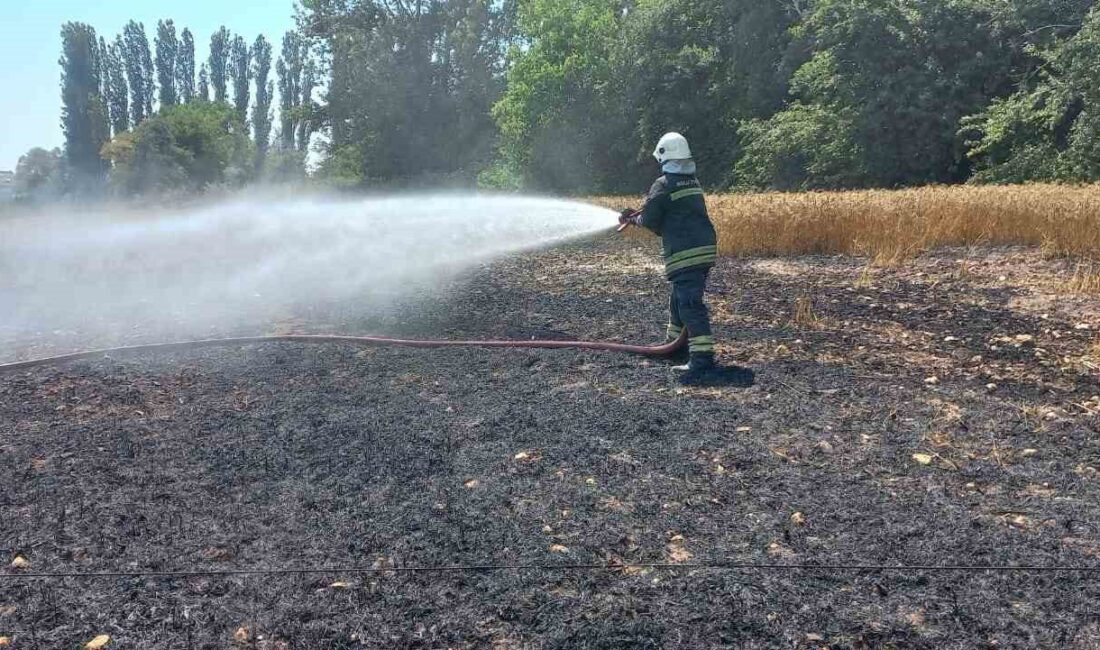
{"x": 941, "y": 413}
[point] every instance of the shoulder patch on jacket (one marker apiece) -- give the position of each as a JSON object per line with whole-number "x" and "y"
{"x": 660, "y": 186}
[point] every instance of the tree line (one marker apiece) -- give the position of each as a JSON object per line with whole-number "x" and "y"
{"x": 140, "y": 118}
{"x": 803, "y": 94}
{"x": 570, "y": 95}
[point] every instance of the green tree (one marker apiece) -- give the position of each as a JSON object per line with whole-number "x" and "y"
{"x": 1050, "y": 128}
{"x": 118, "y": 94}
{"x": 240, "y": 68}
{"x": 560, "y": 123}
{"x": 188, "y": 147}
{"x": 699, "y": 67}
{"x": 265, "y": 89}
{"x": 168, "y": 46}
{"x": 203, "y": 92}
{"x": 305, "y": 110}
{"x": 408, "y": 87}
{"x": 896, "y": 80}
{"x": 38, "y": 175}
{"x": 157, "y": 166}
{"x": 185, "y": 67}
{"x": 218, "y": 64}
{"x": 284, "y": 167}
{"x": 805, "y": 147}
{"x": 102, "y": 56}
{"x": 296, "y": 72}
{"x": 139, "y": 71}
{"x": 83, "y": 109}
{"x": 113, "y": 88}
{"x": 288, "y": 71}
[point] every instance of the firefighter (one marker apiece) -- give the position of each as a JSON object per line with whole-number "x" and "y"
{"x": 676, "y": 211}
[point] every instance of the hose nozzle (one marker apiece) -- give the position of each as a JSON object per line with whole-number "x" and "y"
{"x": 628, "y": 218}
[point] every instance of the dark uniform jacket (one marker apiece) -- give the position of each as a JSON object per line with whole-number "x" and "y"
{"x": 676, "y": 211}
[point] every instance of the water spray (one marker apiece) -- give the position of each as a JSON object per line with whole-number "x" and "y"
{"x": 184, "y": 273}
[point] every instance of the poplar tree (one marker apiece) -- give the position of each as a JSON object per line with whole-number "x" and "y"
{"x": 139, "y": 71}
{"x": 103, "y": 56}
{"x": 289, "y": 72}
{"x": 305, "y": 103}
{"x": 168, "y": 46}
{"x": 240, "y": 68}
{"x": 185, "y": 67}
{"x": 83, "y": 112}
{"x": 265, "y": 89}
{"x": 204, "y": 85}
{"x": 218, "y": 65}
{"x": 117, "y": 92}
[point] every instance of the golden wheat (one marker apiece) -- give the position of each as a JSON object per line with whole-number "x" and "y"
{"x": 1085, "y": 279}
{"x": 890, "y": 227}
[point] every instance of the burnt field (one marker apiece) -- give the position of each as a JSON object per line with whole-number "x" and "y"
{"x": 939, "y": 413}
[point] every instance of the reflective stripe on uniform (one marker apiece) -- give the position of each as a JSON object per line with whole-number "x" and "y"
{"x": 674, "y": 331}
{"x": 691, "y": 257}
{"x": 710, "y": 258}
{"x": 701, "y": 344}
{"x": 693, "y": 191}
{"x": 691, "y": 252}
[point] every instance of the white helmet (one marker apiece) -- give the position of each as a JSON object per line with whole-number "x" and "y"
{"x": 672, "y": 146}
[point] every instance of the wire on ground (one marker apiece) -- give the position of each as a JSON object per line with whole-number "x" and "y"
{"x": 485, "y": 568}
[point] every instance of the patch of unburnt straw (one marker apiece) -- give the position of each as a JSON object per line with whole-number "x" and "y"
{"x": 891, "y": 227}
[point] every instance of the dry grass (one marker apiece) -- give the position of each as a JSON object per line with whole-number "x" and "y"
{"x": 1093, "y": 353}
{"x": 1085, "y": 279}
{"x": 890, "y": 227}
{"x": 803, "y": 315}
{"x": 866, "y": 278}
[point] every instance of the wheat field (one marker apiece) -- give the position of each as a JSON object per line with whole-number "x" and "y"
{"x": 891, "y": 226}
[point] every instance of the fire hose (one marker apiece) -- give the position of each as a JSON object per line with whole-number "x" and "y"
{"x": 665, "y": 350}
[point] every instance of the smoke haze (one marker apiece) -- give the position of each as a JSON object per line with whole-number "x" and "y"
{"x": 78, "y": 280}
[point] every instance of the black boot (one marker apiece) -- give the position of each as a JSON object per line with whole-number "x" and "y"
{"x": 698, "y": 363}
{"x": 703, "y": 371}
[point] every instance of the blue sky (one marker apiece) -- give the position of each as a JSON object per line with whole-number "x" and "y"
{"x": 30, "y": 46}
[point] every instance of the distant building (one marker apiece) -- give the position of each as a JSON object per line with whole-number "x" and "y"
{"x": 7, "y": 186}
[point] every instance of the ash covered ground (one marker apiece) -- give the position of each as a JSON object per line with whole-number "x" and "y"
{"x": 940, "y": 413}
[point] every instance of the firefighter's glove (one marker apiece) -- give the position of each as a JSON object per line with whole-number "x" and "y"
{"x": 628, "y": 217}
